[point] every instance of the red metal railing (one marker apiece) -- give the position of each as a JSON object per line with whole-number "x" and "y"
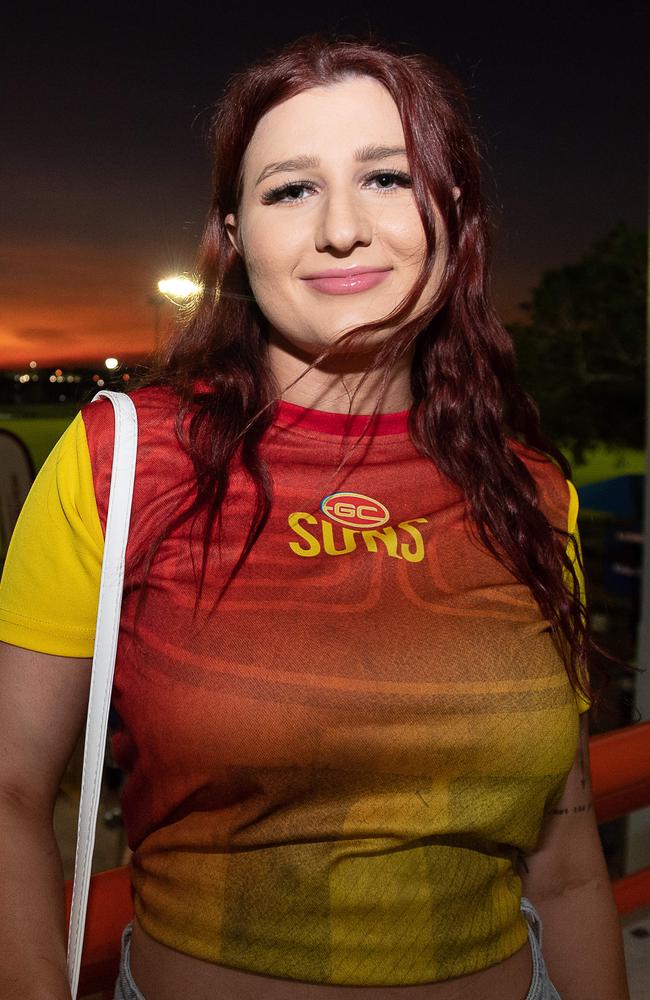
{"x": 620, "y": 774}
{"x": 620, "y": 778}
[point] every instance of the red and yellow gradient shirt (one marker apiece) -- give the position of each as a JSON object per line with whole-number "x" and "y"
{"x": 330, "y": 777}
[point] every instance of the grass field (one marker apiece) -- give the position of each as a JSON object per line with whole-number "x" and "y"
{"x": 40, "y": 430}
{"x": 40, "y": 435}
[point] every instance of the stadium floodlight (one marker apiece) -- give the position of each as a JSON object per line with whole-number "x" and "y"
{"x": 179, "y": 288}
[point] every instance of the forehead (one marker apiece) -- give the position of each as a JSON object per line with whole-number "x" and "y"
{"x": 326, "y": 121}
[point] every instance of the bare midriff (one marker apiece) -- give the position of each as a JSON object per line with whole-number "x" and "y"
{"x": 161, "y": 973}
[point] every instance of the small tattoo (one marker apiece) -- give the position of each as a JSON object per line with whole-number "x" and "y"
{"x": 574, "y": 809}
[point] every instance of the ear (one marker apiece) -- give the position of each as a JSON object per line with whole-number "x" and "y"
{"x": 456, "y": 193}
{"x": 230, "y": 223}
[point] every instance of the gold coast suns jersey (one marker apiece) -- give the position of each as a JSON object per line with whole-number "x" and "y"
{"x": 329, "y": 777}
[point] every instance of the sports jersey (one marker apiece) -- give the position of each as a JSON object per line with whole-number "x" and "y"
{"x": 330, "y": 775}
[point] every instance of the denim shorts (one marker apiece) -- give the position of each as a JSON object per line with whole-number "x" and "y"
{"x": 541, "y": 987}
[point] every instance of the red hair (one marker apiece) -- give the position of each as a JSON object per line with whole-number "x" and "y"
{"x": 467, "y": 401}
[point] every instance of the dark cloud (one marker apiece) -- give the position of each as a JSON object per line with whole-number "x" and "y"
{"x": 44, "y": 335}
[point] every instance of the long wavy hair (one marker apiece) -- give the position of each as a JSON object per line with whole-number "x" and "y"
{"x": 466, "y": 397}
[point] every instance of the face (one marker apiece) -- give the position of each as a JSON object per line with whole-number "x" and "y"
{"x": 347, "y": 205}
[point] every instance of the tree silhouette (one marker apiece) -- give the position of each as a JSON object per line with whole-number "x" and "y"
{"x": 581, "y": 353}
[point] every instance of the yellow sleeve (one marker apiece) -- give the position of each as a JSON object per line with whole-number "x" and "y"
{"x": 49, "y": 589}
{"x": 572, "y": 527}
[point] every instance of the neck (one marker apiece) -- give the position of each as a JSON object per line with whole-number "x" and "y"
{"x": 331, "y": 387}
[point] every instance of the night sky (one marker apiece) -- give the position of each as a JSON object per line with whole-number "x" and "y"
{"x": 105, "y": 171}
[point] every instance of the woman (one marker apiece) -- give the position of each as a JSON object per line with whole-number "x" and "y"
{"x": 357, "y": 760}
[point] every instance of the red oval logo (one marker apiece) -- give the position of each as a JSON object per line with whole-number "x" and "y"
{"x": 355, "y": 510}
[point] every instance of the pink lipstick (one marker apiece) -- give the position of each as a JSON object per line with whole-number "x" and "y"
{"x": 345, "y": 281}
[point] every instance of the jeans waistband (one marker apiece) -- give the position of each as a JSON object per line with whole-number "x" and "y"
{"x": 541, "y": 987}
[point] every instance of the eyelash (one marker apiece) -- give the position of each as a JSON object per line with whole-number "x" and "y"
{"x": 275, "y": 194}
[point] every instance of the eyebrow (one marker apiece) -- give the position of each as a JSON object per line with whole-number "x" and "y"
{"x": 365, "y": 154}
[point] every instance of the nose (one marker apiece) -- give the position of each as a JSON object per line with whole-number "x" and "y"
{"x": 342, "y": 223}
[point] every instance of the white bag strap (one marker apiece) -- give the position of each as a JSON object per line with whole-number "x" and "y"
{"x": 103, "y": 666}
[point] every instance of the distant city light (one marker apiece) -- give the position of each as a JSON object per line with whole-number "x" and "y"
{"x": 58, "y": 375}
{"x": 179, "y": 288}
{"x": 32, "y": 364}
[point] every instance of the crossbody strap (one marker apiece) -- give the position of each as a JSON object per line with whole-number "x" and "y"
{"x": 103, "y": 665}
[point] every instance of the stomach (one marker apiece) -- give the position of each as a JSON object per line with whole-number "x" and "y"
{"x": 161, "y": 973}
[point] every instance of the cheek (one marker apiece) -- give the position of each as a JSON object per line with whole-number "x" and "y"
{"x": 401, "y": 232}
{"x": 404, "y": 233}
{"x": 270, "y": 248}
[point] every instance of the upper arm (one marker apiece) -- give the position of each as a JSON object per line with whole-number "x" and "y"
{"x": 569, "y": 850}
{"x": 49, "y": 594}
{"x": 43, "y": 704}
{"x": 49, "y": 589}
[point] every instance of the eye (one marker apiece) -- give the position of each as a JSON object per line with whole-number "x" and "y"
{"x": 286, "y": 192}
{"x": 393, "y": 177}
{"x": 290, "y": 193}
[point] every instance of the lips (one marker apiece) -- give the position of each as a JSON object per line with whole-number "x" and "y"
{"x": 344, "y": 272}
{"x": 345, "y": 281}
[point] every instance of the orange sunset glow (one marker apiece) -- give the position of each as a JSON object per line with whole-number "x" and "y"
{"x": 73, "y": 303}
